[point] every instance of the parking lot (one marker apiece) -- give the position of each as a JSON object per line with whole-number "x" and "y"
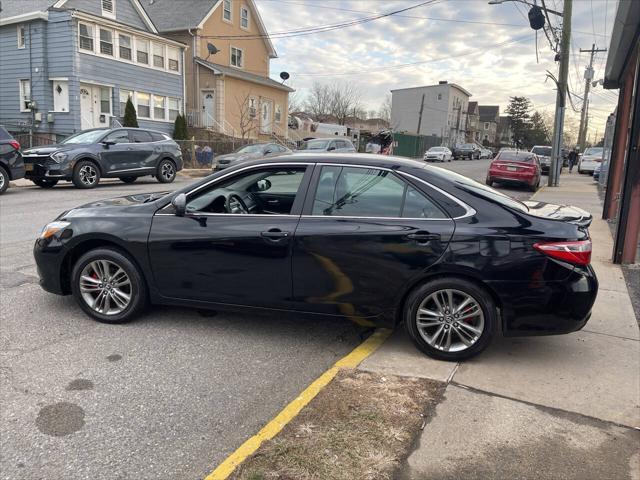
{"x": 168, "y": 396}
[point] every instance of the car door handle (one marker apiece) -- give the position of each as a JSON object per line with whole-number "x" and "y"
{"x": 423, "y": 237}
{"x": 273, "y": 202}
{"x": 274, "y": 234}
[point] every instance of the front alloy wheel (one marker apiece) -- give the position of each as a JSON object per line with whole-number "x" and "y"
{"x": 108, "y": 286}
{"x": 86, "y": 174}
{"x": 450, "y": 319}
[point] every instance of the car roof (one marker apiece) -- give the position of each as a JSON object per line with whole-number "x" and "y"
{"x": 382, "y": 161}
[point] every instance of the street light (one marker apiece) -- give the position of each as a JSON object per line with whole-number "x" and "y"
{"x": 498, "y": 2}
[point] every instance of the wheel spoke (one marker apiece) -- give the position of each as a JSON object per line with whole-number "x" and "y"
{"x": 465, "y": 337}
{"x": 471, "y": 328}
{"x": 427, "y": 313}
{"x": 447, "y": 344}
{"x": 428, "y": 323}
{"x": 463, "y": 304}
{"x": 89, "y": 284}
{"x": 120, "y": 298}
{"x": 474, "y": 312}
{"x": 433, "y": 339}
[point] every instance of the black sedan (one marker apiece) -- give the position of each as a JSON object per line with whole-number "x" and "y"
{"x": 379, "y": 240}
{"x": 85, "y": 158}
{"x": 11, "y": 163}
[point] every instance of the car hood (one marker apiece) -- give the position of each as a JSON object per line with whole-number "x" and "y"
{"x": 591, "y": 158}
{"x": 115, "y": 206}
{"x": 49, "y": 149}
{"x": 565, "y": 213}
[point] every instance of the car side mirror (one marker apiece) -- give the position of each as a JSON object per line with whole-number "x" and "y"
{"x": 180, "y": 204}
{"x": 268, "y": 152}
{"x": 108, "y": 143}
{"x": 330, "y": 149}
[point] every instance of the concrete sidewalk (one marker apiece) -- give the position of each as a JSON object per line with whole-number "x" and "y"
{"x": 538, "y": 407}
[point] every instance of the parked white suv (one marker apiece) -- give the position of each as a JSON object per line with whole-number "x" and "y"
{"x": 590, "y": 159}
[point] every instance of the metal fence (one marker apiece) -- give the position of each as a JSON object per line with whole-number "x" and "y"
{"x": 27, "y": 140}
{"x": 203, "y": 153}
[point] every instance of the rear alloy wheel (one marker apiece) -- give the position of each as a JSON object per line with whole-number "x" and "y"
{"x": 45, "y": 182}
{"x": 450, "y": 319}
{"x": 4, "y": 180}
{"x": 128, "y": 179}
{"x": 86, "y": 174}
{"x": 166, "y": 171}
{"x": 108, "y": 286}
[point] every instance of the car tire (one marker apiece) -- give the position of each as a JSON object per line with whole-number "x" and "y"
{"x": 108, "y": 306}
{"x": 478, "y": 332}
{"x": 166, "y": 171}
{"x": 489, "y": 182}
{"x": 128, "y": 179}
{"x": 534, "y": 188}
{"x": 86, "y": 174}
{"x": 4, "y": 180}
{"x": 45, "y": 182}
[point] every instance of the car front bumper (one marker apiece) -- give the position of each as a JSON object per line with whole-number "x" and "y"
{"x": 49, "y": 257}
{"x": 45, "y": 167}
{"x": 547, "y": 308}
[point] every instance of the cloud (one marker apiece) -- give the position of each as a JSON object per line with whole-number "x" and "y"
{"x": 464, "y": 53}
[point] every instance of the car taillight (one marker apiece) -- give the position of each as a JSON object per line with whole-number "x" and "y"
{"x": 578, "y": 253}
{"x": 14, "y": 144}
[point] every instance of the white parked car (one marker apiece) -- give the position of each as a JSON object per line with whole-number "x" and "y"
{"x": 438, "y": 154}
{"x": 342, "y": 145}
{"x": 485, "y": 153}
{"x": 590, "y": 159}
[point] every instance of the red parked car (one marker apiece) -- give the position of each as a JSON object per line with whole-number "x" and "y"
{"x": 515, "y": 167}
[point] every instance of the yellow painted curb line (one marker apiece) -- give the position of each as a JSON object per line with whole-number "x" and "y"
{"x": 537, "y": 192}
{"x": 289, "y": 412}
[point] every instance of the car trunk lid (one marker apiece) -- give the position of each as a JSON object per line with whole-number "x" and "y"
{"x": 563, "y": 213}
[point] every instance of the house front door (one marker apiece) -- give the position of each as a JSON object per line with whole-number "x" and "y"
{"x": 266, "y": 124}
{"x": 208, "y": 109}
{"x": 86, "y": 107}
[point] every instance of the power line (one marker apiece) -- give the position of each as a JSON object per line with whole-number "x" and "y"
{"x": 321, "y": 28}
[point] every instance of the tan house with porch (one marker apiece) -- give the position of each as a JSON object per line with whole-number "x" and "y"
{"x": 226, "y": 67}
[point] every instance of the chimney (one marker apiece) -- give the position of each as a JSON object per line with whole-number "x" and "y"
{"x": 442, "y": 82}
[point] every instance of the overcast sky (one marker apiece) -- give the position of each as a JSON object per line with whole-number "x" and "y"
{"x": 487, "y": 49}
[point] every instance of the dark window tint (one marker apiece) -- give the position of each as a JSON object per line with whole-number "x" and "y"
{"x": 514, "y": 156}
{"x": 157, "y": 137}
{"x": 358, "y": 192}
{"x": 139, "y": 136}
{"x": 416, "y": 205}
{"x": 121, "y": 136}
{"x": 4, "y": 135}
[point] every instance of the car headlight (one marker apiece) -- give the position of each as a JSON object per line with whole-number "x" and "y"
{"x": 59, "y": 157}
{"x": 50, "y": 229}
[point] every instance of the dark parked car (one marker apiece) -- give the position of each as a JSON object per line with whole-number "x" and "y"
{"x": 249, "y": 152}
{"x": 543, "y": 152}
{"x": 467, "y": 150}
{"x": 11, "y": 163}
{"x": 376, "y": 239}
{"x": 85, "y": 158}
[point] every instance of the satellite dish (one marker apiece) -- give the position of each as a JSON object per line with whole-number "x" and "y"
{"x": 284, "y": 76}
{"x": 212, "y": 49}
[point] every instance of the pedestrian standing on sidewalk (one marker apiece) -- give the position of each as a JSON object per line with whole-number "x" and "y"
{"x": 573, "y": 158}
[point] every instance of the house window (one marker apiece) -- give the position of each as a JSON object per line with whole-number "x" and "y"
{"x": 144, "y": 105}
{"x": 252, "y": 107}
{"x": 60, "y": 96}
{"x": 86, "y": 36}
{"x": 158, "y": 55}
{"x": 158, "y": 107}
{"x": 25, "y": 95}
{"x": 106, "y": 42}
{"x": 105, "y": 100}
{"x": 439, "y": 96}
{"x": 109, "y": 8}
{"x": 142, "y": 51}
{"x": 244, "y": 17}
{"x": 236, "y": 57}
{"x": 21, "y": 36}
{"x": 226, "y": 10}
{"x": 124, "y": 46}
{"x": 174, "y": 108}
{"x": 278, "y": 114}
{"x": 486, "y": 125}
{"x": 124, "y": 96}
{"x": 173, "y": 54}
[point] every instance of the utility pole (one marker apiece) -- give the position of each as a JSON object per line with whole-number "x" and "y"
{"x": 561, "y": 96}
{"x": 588, "y": 77}
{"x": 420, "y": 115}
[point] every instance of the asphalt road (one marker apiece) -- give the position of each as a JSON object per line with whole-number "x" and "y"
{"x": 168, "y": 396}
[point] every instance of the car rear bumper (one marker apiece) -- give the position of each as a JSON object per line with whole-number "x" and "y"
{"x": 515, "y": 177}
{"x": 547, "y": 308}
{"x": 17, "y": 172}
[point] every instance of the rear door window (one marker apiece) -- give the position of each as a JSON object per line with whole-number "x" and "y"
{"x": 119, "y": 136}
{"x": 139, "y": 136}
{"x": 157, "y": 137}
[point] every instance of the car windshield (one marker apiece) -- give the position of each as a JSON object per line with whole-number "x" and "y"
{"x": 316, "y": 145}
{"x": 593, "y": 151}
{"x": 515, "y": 156}
{"x": 85, "y": 137}
{"x": 467, "y": 145}
{"x": 436, "y": 149}
{"x": 250, "y": 149}
{"x": 481, "y": 190}
{"x": 544, "y": 151}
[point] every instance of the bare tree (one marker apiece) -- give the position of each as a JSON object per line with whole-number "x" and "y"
{"x": 318, "y": 103}
{"x": 385, "y": 109}
{"x": 247, "y": 114}
{"x": 346, "y": 100}
{"x": 295, "y": 102}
